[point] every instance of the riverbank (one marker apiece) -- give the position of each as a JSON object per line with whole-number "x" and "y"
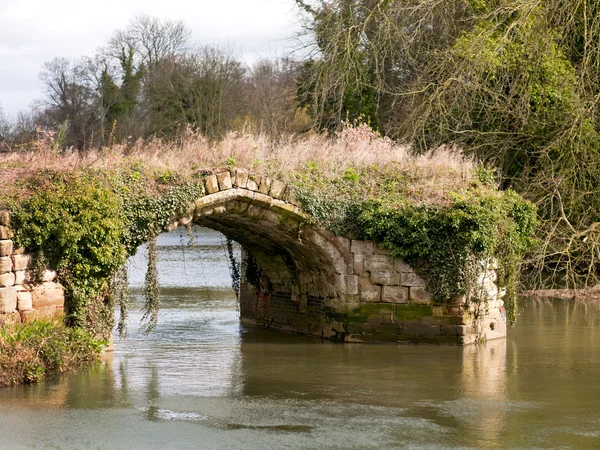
{"x": 30, "y": 352}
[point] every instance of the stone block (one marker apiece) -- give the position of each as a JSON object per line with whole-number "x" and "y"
{"x": 252, "y": 184}
{"x": 385, "y": 278}
{"x": 6, "y": 264}
{"x": 369, "y": 293}
{"x": 277, "y": 189}
{"x": 24, "y": 301}
{"x": 394, "y": 294}
{"x": 21, "y": 276}
{"x": 8, "y": 300}
{"x": 359, "y": 264}
{"x": 224, "y": 179}
{"x": 6, "y": 247}
{"x": 22, "y": 262}
{"x": 362, "y": 247}
{"x": 378, "y": 263}
{"x": 419, "y": 295}
{"x": 264, "y": 186}
{"x": 240, "y": 178}
{"x": 18, "y": 251}
{"x": 46, "y": 313}
{"x": 352, "y": 284}
{"x": 48, "y": 294}
{"x": 5, "y": 232}
{"x": 412, "y": 279}
{"x": 4, "y": 218}
{"x": 7, "y": 279}
{"x": 211, "y": 184}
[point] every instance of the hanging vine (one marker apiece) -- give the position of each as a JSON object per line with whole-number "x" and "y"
{"x": 151, "y": 289}
{"x": 234, "y": 268}
{"x": 120, "y": 292}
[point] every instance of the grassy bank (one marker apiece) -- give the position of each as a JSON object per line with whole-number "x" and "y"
{"x": 32, "y": 351}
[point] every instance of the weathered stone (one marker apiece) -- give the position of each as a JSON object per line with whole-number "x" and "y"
{"x": 24, "y": 301}
{"x": 6, "y": 247}
{"x": 211, "y": 184}
{"x": 362, "y": 247}
{"x": 6, "y": 264}
{"x": 22, "y": 262}
{"x": 21, "y": 276}
{"x": 352, "y": 284}
{"x": 385, "y": 277}
{"x": 240, "y": 178}
{"x": 18, "y": 251}
{"x": 419, "y": 295}
{"x": 8, "y": 300}
{"x": 265, "y": 185}
{"x": 359, "y": 264}
{"x": 7, "y": 279}
{"x": 368, "y": 292}
{"x": 394, "y": 294}
{"x": 6, "y": 233}
{"x": 224, "y": 179}
{"x": 45, "y": 313}
{"x": 412, "y": 279}
{"x": 251, "y": 184}
{"x": 48, "y": 294}
{"x": 378, "y": 263}
{"x": 4, "y": 218}
{"x": 277, "y": 189}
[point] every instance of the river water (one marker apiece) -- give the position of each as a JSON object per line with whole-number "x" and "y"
{"x": 203, "y": 381}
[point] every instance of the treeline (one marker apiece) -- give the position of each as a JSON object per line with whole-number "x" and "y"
{"x": 151, "y": 80}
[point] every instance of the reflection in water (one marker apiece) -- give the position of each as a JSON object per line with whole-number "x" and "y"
{"x": 203, "y": 381}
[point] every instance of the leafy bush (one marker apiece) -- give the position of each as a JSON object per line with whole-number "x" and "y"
{"x": 30, "y": 352}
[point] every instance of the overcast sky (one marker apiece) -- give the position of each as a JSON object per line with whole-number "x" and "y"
{"x": 35, "y": 31}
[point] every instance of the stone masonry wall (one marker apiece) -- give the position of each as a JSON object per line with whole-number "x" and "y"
{"x": 22, "y": 299}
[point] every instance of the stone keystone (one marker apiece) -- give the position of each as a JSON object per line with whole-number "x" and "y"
{"x": 224, "y": 179}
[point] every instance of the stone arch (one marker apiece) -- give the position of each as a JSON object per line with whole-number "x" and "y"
{"x": 304, "y": 268}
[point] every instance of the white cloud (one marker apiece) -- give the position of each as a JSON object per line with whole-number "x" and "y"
{"x": 35, "y": 31}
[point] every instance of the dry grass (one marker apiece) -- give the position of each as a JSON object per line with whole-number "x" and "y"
{"x": 443, "y": 169}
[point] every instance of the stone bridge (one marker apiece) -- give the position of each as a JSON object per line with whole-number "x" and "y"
{"x": 295, "y": 276}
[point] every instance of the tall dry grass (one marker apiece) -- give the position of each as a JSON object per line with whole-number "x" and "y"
{"x": 442, "y": 169}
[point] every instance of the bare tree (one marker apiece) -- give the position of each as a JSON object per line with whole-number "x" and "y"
{"x": 69, "y": 97}
{"x": 203, "y": 88}
{"x": 272, "y": 95}
{"x": 5, "y": 129}
{"x": 152, "y": 39}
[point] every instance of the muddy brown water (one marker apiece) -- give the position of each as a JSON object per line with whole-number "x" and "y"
{"x": 203, "y": 381}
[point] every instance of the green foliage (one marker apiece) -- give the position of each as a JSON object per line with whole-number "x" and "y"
{"x": 76, "y": 223}
{"x": 447, "y": 244}
{"x": 85, "y": 226}
{"x": 29, "y": 352}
